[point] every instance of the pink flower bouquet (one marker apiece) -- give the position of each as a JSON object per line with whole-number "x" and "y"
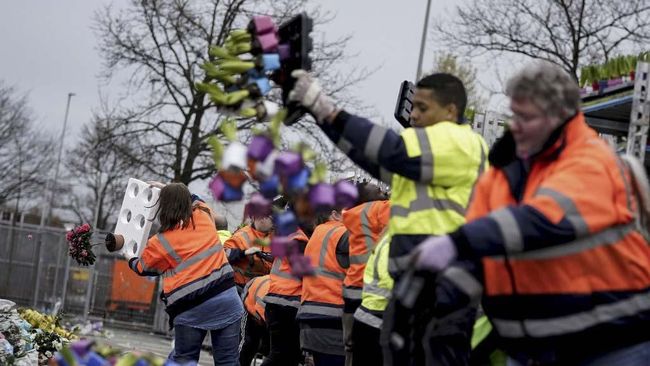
{"x": 79, "y": 245}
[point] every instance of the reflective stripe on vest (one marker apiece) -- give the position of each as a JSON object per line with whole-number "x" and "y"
{"x": 184, "y": 264}
{"x": 464, "y": 281}
{"x": 312, "y": 307}
{"x": 353, "y": 293}
{"x": 376, "y": 293}
{"x": 320, "y": 307}
{"x": 275, "y": 270}
{"x": 321, "y": 270}
{"x": 373, "y": 143}
{"x": 574, "y": 322}
{"x": 423, "y": 201}
{"x": 283, "y": 301}
{"x": 168, "y": 248}
{"x": 193, "y": 286}
{"x": 419, "y": 203}
{"x": 367, "y": 318}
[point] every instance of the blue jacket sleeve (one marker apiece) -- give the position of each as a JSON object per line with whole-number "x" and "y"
{"x": 371, "y": 146}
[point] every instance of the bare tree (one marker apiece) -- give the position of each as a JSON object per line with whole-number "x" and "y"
{"x": 568, "y": 33}
{"x": 161, "y": 44}
{"x": 25, "y": 153}
{"x": 449, "y": 63}
{"x": 97, "y": 169}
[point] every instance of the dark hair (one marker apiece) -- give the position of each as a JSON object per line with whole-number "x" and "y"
{"x": 220, "y": 222}
{"x": 369, "y": 192}
{"x": 175, "y": 205}
{"x": 446, "y": 89}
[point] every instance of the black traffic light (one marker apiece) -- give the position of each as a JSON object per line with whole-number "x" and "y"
{"x": 294, "y": 48}
{"x": 404, "y": 104}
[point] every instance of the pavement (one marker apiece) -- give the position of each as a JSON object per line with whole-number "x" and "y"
{"x": 142, "y": 341}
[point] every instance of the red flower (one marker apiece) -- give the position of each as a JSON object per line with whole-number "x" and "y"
{"x": 79, "y": 245}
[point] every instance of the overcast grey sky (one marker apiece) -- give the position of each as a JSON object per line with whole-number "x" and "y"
{"x": 48, "y": 50}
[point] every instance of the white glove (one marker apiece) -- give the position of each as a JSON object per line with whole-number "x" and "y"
{"x": 308, "y": 92}
{"x": 435, "y": 253}
{"x": 253, "y": 250}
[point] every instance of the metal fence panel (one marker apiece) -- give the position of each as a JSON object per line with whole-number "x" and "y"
{"x": 36, "y": 271}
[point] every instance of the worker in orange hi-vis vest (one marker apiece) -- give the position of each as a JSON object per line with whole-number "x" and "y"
{"x": 282, "y": 304}
{"x": 321, "y": 307}
{"x": 365, "y": 223}
{"x": 248, "y": 257}
{"x": 198, "y": 286}
{"x": 555, "y": 229}
{"x": 256, "y": 335}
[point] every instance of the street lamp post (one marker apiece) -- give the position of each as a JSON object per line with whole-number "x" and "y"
{"x": 423, "y": 41}
{"x": 47, "y": 212}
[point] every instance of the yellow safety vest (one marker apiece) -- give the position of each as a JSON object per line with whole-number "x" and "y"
{"x": 377, "y": 285}
{"x": 453, "y": 157}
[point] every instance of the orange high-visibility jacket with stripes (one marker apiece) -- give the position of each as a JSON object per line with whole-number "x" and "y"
{"x": 365, "y": 223}
{"x": 191, "y": 260}
{"x": 285, "y": 288}
{"x": 322, "y": 293}
{"x": 253, "y": 297}
{"x": 564, "y": 262}
{"x": 247, "y": 266}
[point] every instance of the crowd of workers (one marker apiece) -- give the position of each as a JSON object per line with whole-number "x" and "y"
{"x": 532, "y": 252}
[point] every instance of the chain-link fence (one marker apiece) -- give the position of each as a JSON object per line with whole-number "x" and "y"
{"x": 36, "y": 271}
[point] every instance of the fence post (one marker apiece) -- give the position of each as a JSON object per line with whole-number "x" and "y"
{"x": 37, "y": 263}
{"x": 55, "y": 286}
{"x": 66, "y": 275}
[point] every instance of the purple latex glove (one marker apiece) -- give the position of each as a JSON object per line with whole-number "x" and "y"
{"x": 435, "y": 253}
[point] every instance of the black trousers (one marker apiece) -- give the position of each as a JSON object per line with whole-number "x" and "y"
{"x": 435, "y": 329}
{"x": 285, "y": 336}
{"x": 366, "y": 349}
{"x": 255, "y": 341}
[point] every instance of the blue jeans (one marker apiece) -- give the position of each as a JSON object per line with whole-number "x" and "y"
{"x": 225, "y": 344}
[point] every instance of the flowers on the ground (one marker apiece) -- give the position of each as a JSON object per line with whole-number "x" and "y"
{"x": 79, "y": 245}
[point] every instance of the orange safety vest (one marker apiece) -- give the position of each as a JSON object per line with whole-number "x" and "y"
{"x": 253, "y": 297}
{"x": 250, "y": 266}
{"x": 365, "y": 223}
{"x": 285, "y": 289}
{"x": 322, "y": 293}
{"x": 192, "y": 262}
{"x": 593, "y": 289}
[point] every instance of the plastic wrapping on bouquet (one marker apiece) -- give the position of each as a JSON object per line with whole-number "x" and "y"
{"x": 300, "y": 265}
{"x": 258, "y": 206}
{"x": 297, "y": 182}
{"x": 284, "y": 51}
{"x": 322, "y": 197}
{"x": 347, "y": 194}
{"x": 263, "y": 170}
{"x": 269, "y": 61}
{"x": 279, "y": 245}
{"x": 81, "y": 347}
{"x": 288, "y": 163}
{"x": 259, "y": 148}
{"x": 259, "y": 87}
{"x": 285, "y": 223}
{"x": 234, "y": 156}
{"x": 262, "y": 24}
{"x": 266, "y": 110}
{"x": 267, "y": 43}
{"x": 269, "y": 187}
{"x": 221, "y": 191}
